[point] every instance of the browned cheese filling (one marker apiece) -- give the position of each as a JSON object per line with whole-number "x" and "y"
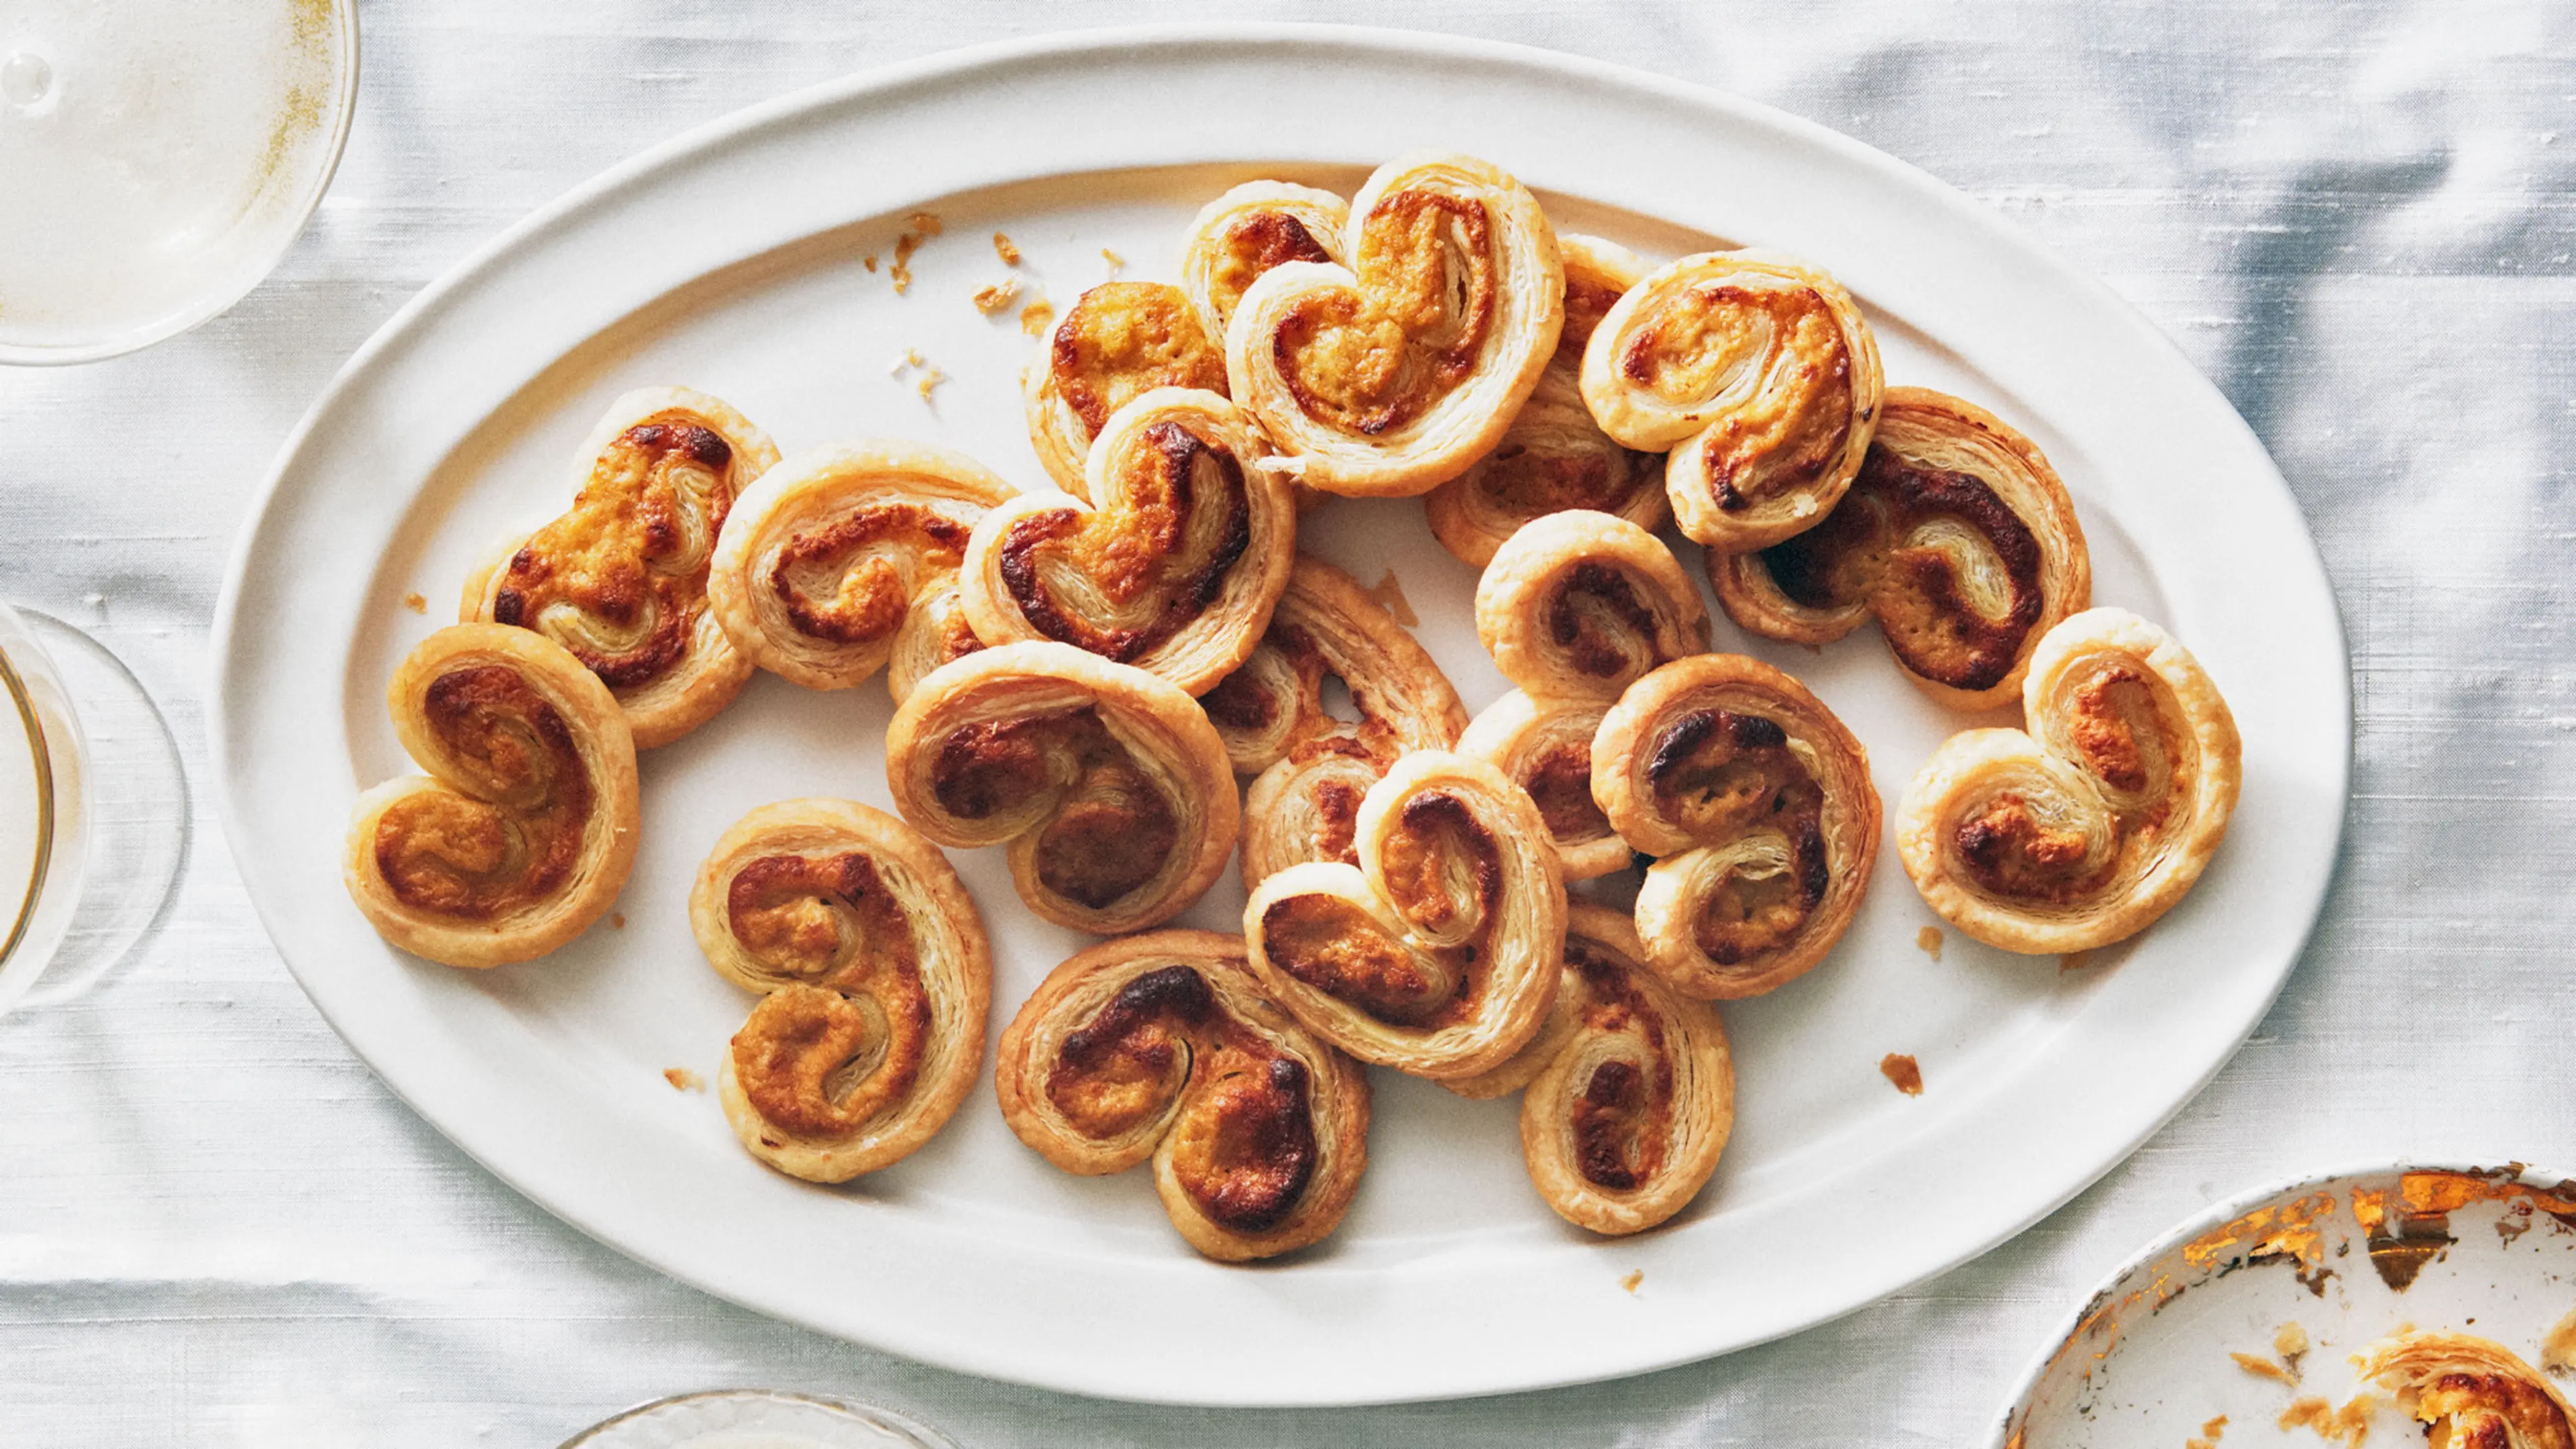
{"x": 517, "y": 838}
{"x": 1111, "y": 830}
{"x": 1158, "y": 555}
{"x": 837, "y": 583}
{"x": 1559, "y": 782}
{"x": 2490, "y": 1411}
{"x": 1124, "y": 339}
{"x": 1372, "y": 360}
{"x": 1600, "y": 625}
{"x": 1720, "y": 776}
{"x": 630, "y": 558}
{"x": 1243, "y": 1142}
{"x": 1336, "y": 760}
{"x": 1251, "y": 245}
{"x": 1799, "y": 417}
{"x": 821, "y": 1063}
{"x": 1623, "y": 1112}
{"x": 1876, "y": 549}
{"x": 2120, "y": 735}
{"x": 1443, "y": 873}
{"x": 810, "y": 916}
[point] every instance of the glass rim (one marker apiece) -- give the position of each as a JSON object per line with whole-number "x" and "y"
{"x": 873, "y": 1415}
{"x": 216, "y": 303}
{"x": 40, "y": 747}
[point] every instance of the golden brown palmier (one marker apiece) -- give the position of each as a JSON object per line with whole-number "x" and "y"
{"x": 1759, "y": 804}
{"x": 935, "y": 632}
{"x": 1761, "y": 376}
{"x": 1117, "y": 342}
{"x": 1172, "y": 565}
{"x": 621, "y": 579}
{"x": 1249, "y": 230}
{"x": 1107, "y": 785}
{"x": 831, "y": 559}
{"x": 1389, "y": 376}
{"x": 1162, "y": 1046}
{"x": 1545, "y": 747}
{"x": 522, "y": 831}
{"x": 2086, "y": 829}
{"x": 1554, "y": 456}
{"x": 1311, "y": 768}
{"x": 878, "y": 977}
{"x": 1630, "y": 1088}
{"x": 1579, "y": 605}
{"x": 2471, "y": 1392}
{"x": 1957, "y": 536}
{"x": 1438, "y": 953}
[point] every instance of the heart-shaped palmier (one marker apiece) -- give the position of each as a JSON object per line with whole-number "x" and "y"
{"x": 522, "y": 831}
{"x": 1172, "y": 565}
{"x": 1759, "y": 803}
{"x": 1162, "y": 1046}
{"x": 1391, "y": 375}
{"x": 1117, "y": 342}
{"x": 2086, "y": 829}
{"x": 1249, "y": 230}
{"x": 1107, "y": 785}
{"x": 1437, "y": 954}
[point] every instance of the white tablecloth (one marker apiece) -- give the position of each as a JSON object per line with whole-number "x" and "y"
{"x": 217, "y": 1228}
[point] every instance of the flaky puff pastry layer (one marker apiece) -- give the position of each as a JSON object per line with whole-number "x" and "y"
{"x": 1554, "y": 456}
{"x": 2086, "y": 829}
{"x": 1249, "y": 230}
{"x": 621, "y": 578}
{"x": 2471, "y": 1392}
{"x": 834, "y": 561}
{"x": 1758, "y": 802}
{"x": 1163, "y": 1047}
{"x": 877, "y": 975}
{"x": 1957, "y": 537}
{"x": 1437, "y": 954}
{"x": 1172, "y": 565}
{"x": 1106, "y": 785}
{"x": 1545, "y": 747}
{"x": 1117, "y": 342}
{"x": 1390, "y": 375}
{"x": 1310, "y": 768}
{"x": 1628, "y": 1091}
{"x": 1758, "y": 372}
{"x": 523, "y": 829}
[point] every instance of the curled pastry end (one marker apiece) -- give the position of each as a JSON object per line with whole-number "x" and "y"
{"x": 1249, "y": 230}
{"x": 1545, "y": 747}
{"x": 1117, "y": 342}
{"x": 1579, "y": 605}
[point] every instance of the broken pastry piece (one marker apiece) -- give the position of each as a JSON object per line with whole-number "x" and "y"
{"x": 2471, "y": 1393}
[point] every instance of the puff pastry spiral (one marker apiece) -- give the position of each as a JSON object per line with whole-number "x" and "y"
{"x": 839, "y": 559}
{"x": 1310, "y": 769}
{"x": 1117, "y": 342}
{"x": 2086, "y": 829}
{"x": 523, "y": 829}
{"x": 2471, "y": 1392}
{"x": 1173, "y": 563}
{"x": 1554, "y": 456}
{"x": 877, "y": 978}
{"x": 1438, "y": 953}
{"x": 1107, "y": 785}
{"x": 1761, "y": 376}
{"x": 1390, "y": 375}
{"x": 1161, "y": 1046}
{"x": 1758, "y": 802}
{"x": 1249, "y": 230}
{"x": 1957, "y": 537}
{"x": 621, "y": 579}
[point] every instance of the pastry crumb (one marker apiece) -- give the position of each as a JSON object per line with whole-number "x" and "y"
{"x": 926, "y": 223}
{"x": 992, "y": 299}
{"x": 2261, "y": 1367}
{"x": 2074, "y": 961}
{"x": 1003, "y": 248}
{"x": 1635, "y": 1277}
{"x": 1035, "y": 316}
{"x": 1389, "y": 595}
{"x": 416, "y": 601}
{"x": 683, "y": 1080}
{"x": 1929, "y": 941}
{"x": 2212, "y": 1432}
{"x": 2351, "y": 1423}
{"x": 1116, "y": 262}
{"x": 1902, "y": 1072}
{"x": 869, "y": 261}
{"x": 617, "y": 920}
{"x": 2290, "y": 1341}
{"x": 910, "y": 359}
{"x": 930, "y": 377}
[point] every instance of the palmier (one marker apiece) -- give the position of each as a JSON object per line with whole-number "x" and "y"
{"x": 1117, "y": 342}
{"x": 1761, "y": 376}
{"x": 1757, "y": 801}
{"x": 621, "y": 579}
{"x": 1545, "y": 747}
{"x": 1957, "y": 536}
{"x": 2086, "y": 829}
{"x": 1554, "y": 456}
{"x": 1390, "y": 375}
{"x": 1249, "y": 230}
{"x": 1310, "y": 767}
{"x": 1107, "y": 785}
{"x": 522, "y": 830}
{"x": 878, "y": 978}
{"x": 1173, "y": 563}
{"x": 2471, "y": 1392}
{"x": 832, "y": 562}
{"x": 1582, "y": 605}
{"x": 1162, "y": 1046}
{"x": 1438, "y": 953}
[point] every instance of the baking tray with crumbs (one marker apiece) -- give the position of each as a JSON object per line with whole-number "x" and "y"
{"x": 2243, "y": 1326}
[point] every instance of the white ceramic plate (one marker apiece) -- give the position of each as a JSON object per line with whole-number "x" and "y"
{"x": 2349, "y": 1257}
{"x": 730, "y": 260}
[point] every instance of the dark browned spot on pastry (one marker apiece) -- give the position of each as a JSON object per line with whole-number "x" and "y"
{"x": 1338, "y": 949}
{"x": 1623, "y": 1112}
{"x": 1372, "y": 361}
{"x": 821, "y": 1064}
{"x": 1443, "y": 869}
{"x": 1121, "y": 340}
{"x": 1254, "y": 244}
{"x": 2011, "y": 852}
{"x": 1119, "y": 1069}
{"x": 871, "y": 594}
{"x": 1243, "y": 703}
{"x": 1689, "y": 346}
{"x": 805, "y": 914}
{"x": 1902, "y": 1072}
{"x": 1245, "y": 1149}
{"x": 1597, "y": 620}
{"x": 621, "y": 578}
{"x": 1720, "y": 777}
{"x": 1107, "y": 828}
{"x": 517, "y": 839}
{"x": 1560, "y": 783}
{"x": 1531, "y": 473}
{"x": 1337, "y": 819}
